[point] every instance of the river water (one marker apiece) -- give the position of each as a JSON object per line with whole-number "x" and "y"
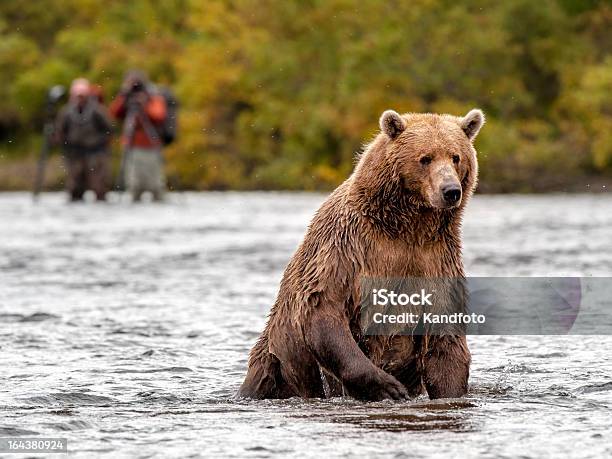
{"x": 126, "y": 328}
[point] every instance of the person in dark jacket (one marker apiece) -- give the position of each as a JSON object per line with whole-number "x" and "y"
{"x": 84, "y": 132}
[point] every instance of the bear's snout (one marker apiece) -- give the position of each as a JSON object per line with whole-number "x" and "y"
{"x": 451, "y": 193}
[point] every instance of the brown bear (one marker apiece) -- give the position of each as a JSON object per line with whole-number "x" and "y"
{"x": 398, "y": 215}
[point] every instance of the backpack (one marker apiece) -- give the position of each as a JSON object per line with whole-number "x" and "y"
{"x": 167, "y": 130}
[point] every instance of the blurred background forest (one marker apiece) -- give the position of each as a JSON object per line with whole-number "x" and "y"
{"x": 280, "y": 94}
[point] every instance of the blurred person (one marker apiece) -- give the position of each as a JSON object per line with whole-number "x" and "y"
{"x": 144, "y": 110}
{"x": 84, "y": 132}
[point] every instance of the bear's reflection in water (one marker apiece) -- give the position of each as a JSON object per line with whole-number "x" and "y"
{"x": 422, "y": 415}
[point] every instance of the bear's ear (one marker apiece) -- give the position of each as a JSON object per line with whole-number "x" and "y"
{"x": 392, "y": 124}
{"x": 472, "y": 122}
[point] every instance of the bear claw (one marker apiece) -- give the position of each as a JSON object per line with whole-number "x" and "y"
{"x": 376, "y": 387}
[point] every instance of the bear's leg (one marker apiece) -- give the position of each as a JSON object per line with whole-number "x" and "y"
{"x": 264, "y": 378}
{"x": 299, "y": 369}
{"x": 398, "y": 356}
{"x": 410, "y": 377}
{"x": 332, "y": 343}
{"x": 446, "y": 366}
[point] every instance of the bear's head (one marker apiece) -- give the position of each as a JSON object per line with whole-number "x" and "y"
{"x": 430, "y": 157}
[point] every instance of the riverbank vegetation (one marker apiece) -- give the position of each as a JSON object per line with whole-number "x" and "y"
{"x": 281, "y": 94}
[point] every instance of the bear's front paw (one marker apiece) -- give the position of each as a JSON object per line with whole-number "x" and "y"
{"x": 376, "y": 385}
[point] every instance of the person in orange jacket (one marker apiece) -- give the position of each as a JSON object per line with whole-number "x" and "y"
{"x": 143, "y": 111}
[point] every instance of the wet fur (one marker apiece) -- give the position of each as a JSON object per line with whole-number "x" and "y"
{"x": 379, "y": 223}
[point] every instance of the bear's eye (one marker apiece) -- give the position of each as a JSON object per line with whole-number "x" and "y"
{"x": 425, "y": 160}
{"x": 456, "y": 159}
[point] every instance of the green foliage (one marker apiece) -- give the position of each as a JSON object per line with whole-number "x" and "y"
{"x": 281, "y": 94}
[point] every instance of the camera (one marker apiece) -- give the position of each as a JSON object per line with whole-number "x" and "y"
{"x": 137, "y": 86}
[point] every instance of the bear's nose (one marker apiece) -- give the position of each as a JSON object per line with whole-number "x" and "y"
{"x": 451, "y": 193}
